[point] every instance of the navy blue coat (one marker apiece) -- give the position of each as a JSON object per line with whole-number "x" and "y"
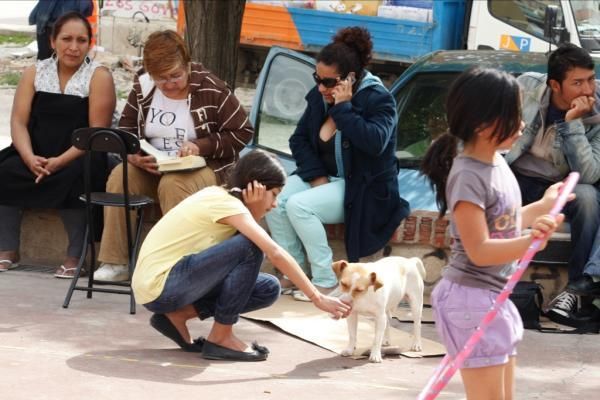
{"x": 46, "y": 12}
{"x": 373, "y": 208}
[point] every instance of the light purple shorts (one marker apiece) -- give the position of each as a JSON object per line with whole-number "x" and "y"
{"x": 459, "y": 309}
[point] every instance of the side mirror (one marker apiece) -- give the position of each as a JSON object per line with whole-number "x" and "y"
{"x": 550, "y": 19}
{"x": 565, "y": 36}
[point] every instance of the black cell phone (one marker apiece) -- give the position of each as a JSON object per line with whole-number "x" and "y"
{"x": 352, "y": 77}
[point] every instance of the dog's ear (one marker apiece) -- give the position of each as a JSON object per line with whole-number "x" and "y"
{"x": 339, "y": 266}
{"x": 375, "y": 282}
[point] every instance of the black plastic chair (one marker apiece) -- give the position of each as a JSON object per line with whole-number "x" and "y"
{"x": 108, "y": 140}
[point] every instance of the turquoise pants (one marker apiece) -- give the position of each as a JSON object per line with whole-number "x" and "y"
{"x": 298, "y": 220}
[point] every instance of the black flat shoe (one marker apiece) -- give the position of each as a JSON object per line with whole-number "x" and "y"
{"x": 162, "y": 324}
{"x": 213, "y": 351}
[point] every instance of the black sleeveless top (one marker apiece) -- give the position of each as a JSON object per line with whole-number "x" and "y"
{"x": 327, "y": 155}
{"x": 53, "y": 119}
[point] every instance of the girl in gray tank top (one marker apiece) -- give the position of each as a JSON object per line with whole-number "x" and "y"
{"x": 482, "y": 196}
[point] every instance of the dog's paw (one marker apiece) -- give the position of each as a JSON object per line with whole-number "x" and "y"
{"x": 416, "y": 346}
{"x": 348, "y": 351}
{"x": 375, "y": 356}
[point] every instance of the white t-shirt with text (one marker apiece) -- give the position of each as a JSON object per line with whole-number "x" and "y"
{"x": 168, "y": 123}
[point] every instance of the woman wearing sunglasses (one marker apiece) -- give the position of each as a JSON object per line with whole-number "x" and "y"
{"x": 180, "y": 108}
{"x": 344, "y": 148}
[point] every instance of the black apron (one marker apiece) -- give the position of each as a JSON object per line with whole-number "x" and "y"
{"x": 53, "y": 119}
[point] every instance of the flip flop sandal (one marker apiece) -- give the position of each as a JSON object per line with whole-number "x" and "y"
{"x": 65, "y": 273}
{"x": 162, "y": 324}
{"x": 5, "y": 265}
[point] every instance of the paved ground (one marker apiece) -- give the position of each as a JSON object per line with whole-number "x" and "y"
{"x": 96, "y": 349}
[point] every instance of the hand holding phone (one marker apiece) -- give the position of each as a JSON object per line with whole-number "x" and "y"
{"x": 343, "y": 90}
{"x": 351, "y": 77}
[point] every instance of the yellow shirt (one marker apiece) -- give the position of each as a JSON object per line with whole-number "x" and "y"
{"x": 190, "y": 227}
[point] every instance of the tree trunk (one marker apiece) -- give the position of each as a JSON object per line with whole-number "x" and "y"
{"x": 213, "y": 34}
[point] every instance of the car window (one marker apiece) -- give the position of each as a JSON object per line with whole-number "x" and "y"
{"x": 526, "y": 15}
{"x": 282, "y": 103}
{"x": 422, "y": 116}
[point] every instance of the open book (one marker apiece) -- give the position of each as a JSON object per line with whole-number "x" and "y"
{"x": 168, "y": 163}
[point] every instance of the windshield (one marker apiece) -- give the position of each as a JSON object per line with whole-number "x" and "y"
{"x": 421, "y": 115}
{"x": 587, "y": 18}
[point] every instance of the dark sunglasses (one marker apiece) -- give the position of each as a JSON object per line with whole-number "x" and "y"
{"x": 327, "y": 82}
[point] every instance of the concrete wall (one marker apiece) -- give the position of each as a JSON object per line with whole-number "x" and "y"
{"x": 124, "y": 36}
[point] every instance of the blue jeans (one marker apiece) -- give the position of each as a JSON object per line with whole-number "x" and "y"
{"x": 592, "y": 268}
{"x": 583, "y": 214}
{"x": 222, "y": 281}
{"x": 298, "y": 220}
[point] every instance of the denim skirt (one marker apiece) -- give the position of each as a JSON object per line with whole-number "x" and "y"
{"x": 458, "y": 310}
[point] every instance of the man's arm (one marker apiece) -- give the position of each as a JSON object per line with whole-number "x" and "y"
{"x": 581, "y": 148}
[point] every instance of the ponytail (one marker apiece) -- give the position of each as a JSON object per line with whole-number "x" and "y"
{"x": 436, "y": 166}
{"x": 469, "y": 107}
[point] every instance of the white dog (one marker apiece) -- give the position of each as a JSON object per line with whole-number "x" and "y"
{"x": 376, "y": 289}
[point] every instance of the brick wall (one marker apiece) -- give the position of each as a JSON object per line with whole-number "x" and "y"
{"x": 420, "y": 227}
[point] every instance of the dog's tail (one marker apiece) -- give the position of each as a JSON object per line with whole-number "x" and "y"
{"x": 420, "y": 267}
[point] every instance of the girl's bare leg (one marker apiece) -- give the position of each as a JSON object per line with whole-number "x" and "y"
{"x": 223, "y": 336}
{"x": 179, "y": 319}
{"x": 486, "y": 383}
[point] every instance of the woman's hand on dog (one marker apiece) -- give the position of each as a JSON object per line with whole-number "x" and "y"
{"x": 332, "y": 305}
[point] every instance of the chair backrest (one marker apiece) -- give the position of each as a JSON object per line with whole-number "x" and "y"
{"x": 107, "y": 140}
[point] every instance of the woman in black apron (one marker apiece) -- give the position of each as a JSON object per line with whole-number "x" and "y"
{"x": 41, "y": 169}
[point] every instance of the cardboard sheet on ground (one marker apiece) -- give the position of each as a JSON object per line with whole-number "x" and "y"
{"x": 309, "y": 323}
{"x": 547, "y": 324}
{"x": 403, "y": 314}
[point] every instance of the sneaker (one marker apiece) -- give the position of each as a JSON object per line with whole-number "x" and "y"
{"x": 562, "y": 308}
{"x": 111, "y": 273}
{"x": 299, "y": 295}
{"x": 587, "y": 316}
{"x": 332, "y": 291}
{"x": 584, "y": 287}
{"x": 287, "y": 286}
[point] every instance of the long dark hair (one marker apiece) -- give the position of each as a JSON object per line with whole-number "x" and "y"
{"x": 477, "y": 99}
{"x": 69, "y": 16}
{"x": 257, "y": 165}
{"x": 350, "y": 50}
